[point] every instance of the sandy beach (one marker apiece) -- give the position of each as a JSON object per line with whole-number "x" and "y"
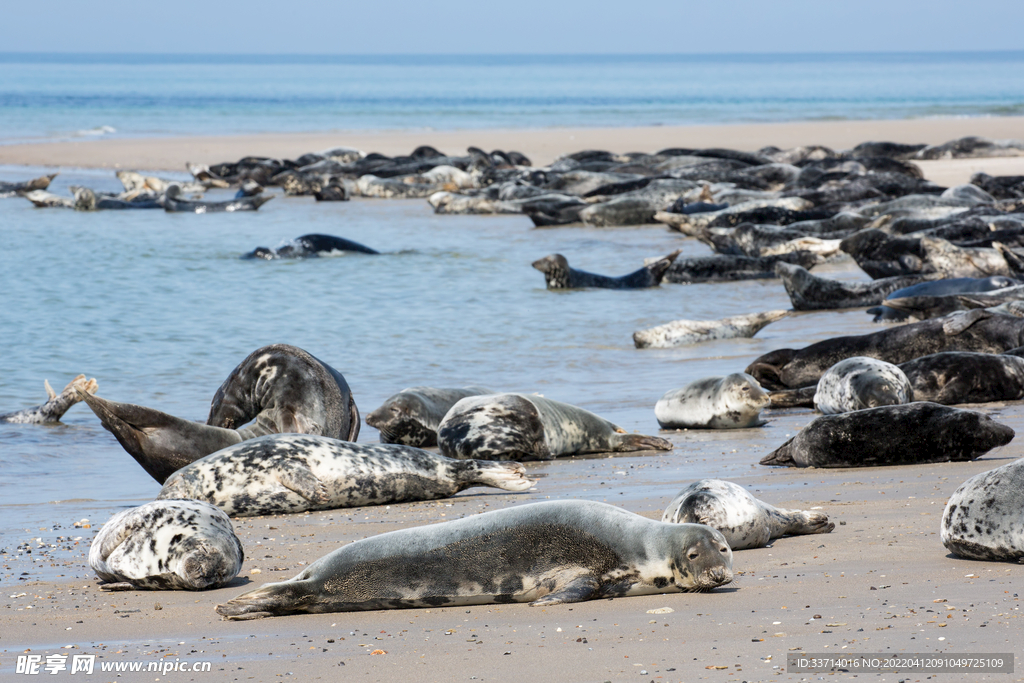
{"x": 542, "y": 146}
{"x": 880, "y": 582}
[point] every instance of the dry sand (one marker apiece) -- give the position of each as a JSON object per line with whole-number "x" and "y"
{"x": 542, "y": 146}
{"x": 881, "y": 582}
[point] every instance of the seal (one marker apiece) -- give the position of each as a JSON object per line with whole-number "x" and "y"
{"x": 907, "y": 434}
{"x": 411, "y": 416}
{"x": 56, "y": 406}
{"x": 860, "y": 382}
{"x": 173, "y": 203}
{"x": 962, "y": 377}
{"x": 558, "y": 274}
{"x": 280, "y": 388}
{"x": 309, "y": 246}
{"x": 283, "y": 473}
{"x": 745, "y": 521}
{"x": 916, "y": 302}
{"x": 731, "y": 402}
{"x": 520, "y": 427}
{"x": 809, "y": 292}
{"x": 546, "y": 554}
{"x": 984, "y": 518}
{"x": 167, "y": 545}
{"x": 723, "y": 268}
{"x": 25, "y": 187}
{"x": 976, "y": 330}
{"x": 686, "y": 332}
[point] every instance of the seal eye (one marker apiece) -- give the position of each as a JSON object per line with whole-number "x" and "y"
{"x": 693, "y": 555}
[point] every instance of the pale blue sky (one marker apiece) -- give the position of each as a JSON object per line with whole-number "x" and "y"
{"x": 523, "y": 26}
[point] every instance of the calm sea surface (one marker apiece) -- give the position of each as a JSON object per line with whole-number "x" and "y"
{"x": 159, "y": 307}
{"x": 67, "y": 96}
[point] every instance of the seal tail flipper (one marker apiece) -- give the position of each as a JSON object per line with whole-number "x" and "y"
{"x": 661, "y": 266}
{"x": 299, "y": 478}
{"x": 798, "y": 522}
{"x": 509, "y": 476}
{"x": 781, "y": 455}
{"x": 578, "y": 590}
{"x": 641, "y": 442}
{"x": 161, "y": 443}
{"x": 354, "y": 419}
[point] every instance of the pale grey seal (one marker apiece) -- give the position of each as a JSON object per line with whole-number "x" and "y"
{"x": 906, "y": 434}
{"x": 860, "y": 382}
{"x": 283, "y": 473}
{"x": 167, "y": 545}
{"x": 521, "y": 427}
{"x": 56, "y": 406}
{"x": 280, "y": 388}
{"x": 731, "y": 402}
{"x": 544, "y": 553}
{"x": 686, "y": 332}
{"x": 411, "y": 416}
{"x": 984, "y": 518}
{"x": 745, "y": 521}
{"x": 174, "y": 203}
{"x": 558, "y": 274}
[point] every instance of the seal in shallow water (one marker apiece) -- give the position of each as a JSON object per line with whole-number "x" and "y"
{"x": 731, "y": 402}
{"x": 543, "y": 553}
{"x": 283, "y": 473}
{"x": 53, "y": 409}
{"x": 558, "y": 274}
{"x": 858, "y": 383}
{"x": 411, "y": 416}
{"x": 309, "y": 246}
{"x": 906, "y": 434}
{"x": 984, "y": 518}
{"x": 280, "y": 388}
{"x": 520, "y": 427}
{"x": 167, "y": 545}
{"x": 745, "y": 521}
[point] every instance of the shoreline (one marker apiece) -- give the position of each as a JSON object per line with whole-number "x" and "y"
{"x": 542, "y": 146}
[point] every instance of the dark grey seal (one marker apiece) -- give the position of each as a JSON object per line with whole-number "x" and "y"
{"x": 23, "y": 188}
{"x": 167, "y": 545}
{"x": 282, "y": 473}
{"x": 546, "y": 554}
{"x": 520, "y": 427}
{"x": 977, "y": 330}
{"x": 56, "y": 406}
{"x": 745, "y": 521}
{"x": 309, "y": 246}
{"x": 907, "y": 434}
{"x": 280, "y": 388}
{"x": 809, "y": 292}
{"x": 984, "y": 518}
{"x": 558, "y": 274}
{"x": 962, "y": 377}
{"x": 412, "y": 416}
{"x": 174, "y": 204}
{"x": 722, "y": 268}
{"x": 934, "y": 289}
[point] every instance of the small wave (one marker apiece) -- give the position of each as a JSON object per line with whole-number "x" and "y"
{"x": 96, "y": 132}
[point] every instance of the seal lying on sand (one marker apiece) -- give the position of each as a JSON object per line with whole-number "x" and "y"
{"x": 809, "y": 292}
{"x": 308, "y": 246}
{"x": 686, "y": 332}
{"x": 984, "y": 518}
{"x": 167, "y": 545}
{"x": 283, "y": 473}
{"x": 543, "y": 553}
{"x": 858, "y": 383}
{"x": 962, "y": 377}
{"x": 521, "y": 427}
{"x": 976, "y": 330}
{"x": 745, "y": 521}
{"x": 907, "y": 434}
{"x": 946, "y": 287}
{"x": 281, "y": 388}
{"x": 558, "y": 274}
{"x": 731, "y": 402}
{"x": 53, "y": 409}
{"x": 411, "y": 416}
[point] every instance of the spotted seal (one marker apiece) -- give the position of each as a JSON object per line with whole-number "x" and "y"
{"x": 558, "y": 274}
{"x": 280, "y": 388}
{"x": 906, "y": 434}
{"x": 309, "y": 246}
{"x": 174, "y": 203}
{"x": 520, "y": 427}
{"x": 685, "y": 332}
{"x": 860, "y": 382}
{"x": 56, "y": 406}
{"x": 745, "y": 521}
{"x": 984, "y": 518}
{"x": 283, "y": 473}
{"x": 731, "y": 402}
{"x": 167, "y": 545}
{"x": 546, "y": 553}
{"x": 411, "y": 416}
{"x": 963, "y": 377}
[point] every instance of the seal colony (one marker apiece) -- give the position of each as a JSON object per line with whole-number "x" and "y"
{"x": 546, "y": 554}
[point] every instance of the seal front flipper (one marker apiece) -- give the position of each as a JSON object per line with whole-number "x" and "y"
{"x": 118, "y": 586}
{"x": 626, "y": 443}
{"x": 161, "y": 443}
{"x": 297, "y": 477}
{"x": 578, "y": 590}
